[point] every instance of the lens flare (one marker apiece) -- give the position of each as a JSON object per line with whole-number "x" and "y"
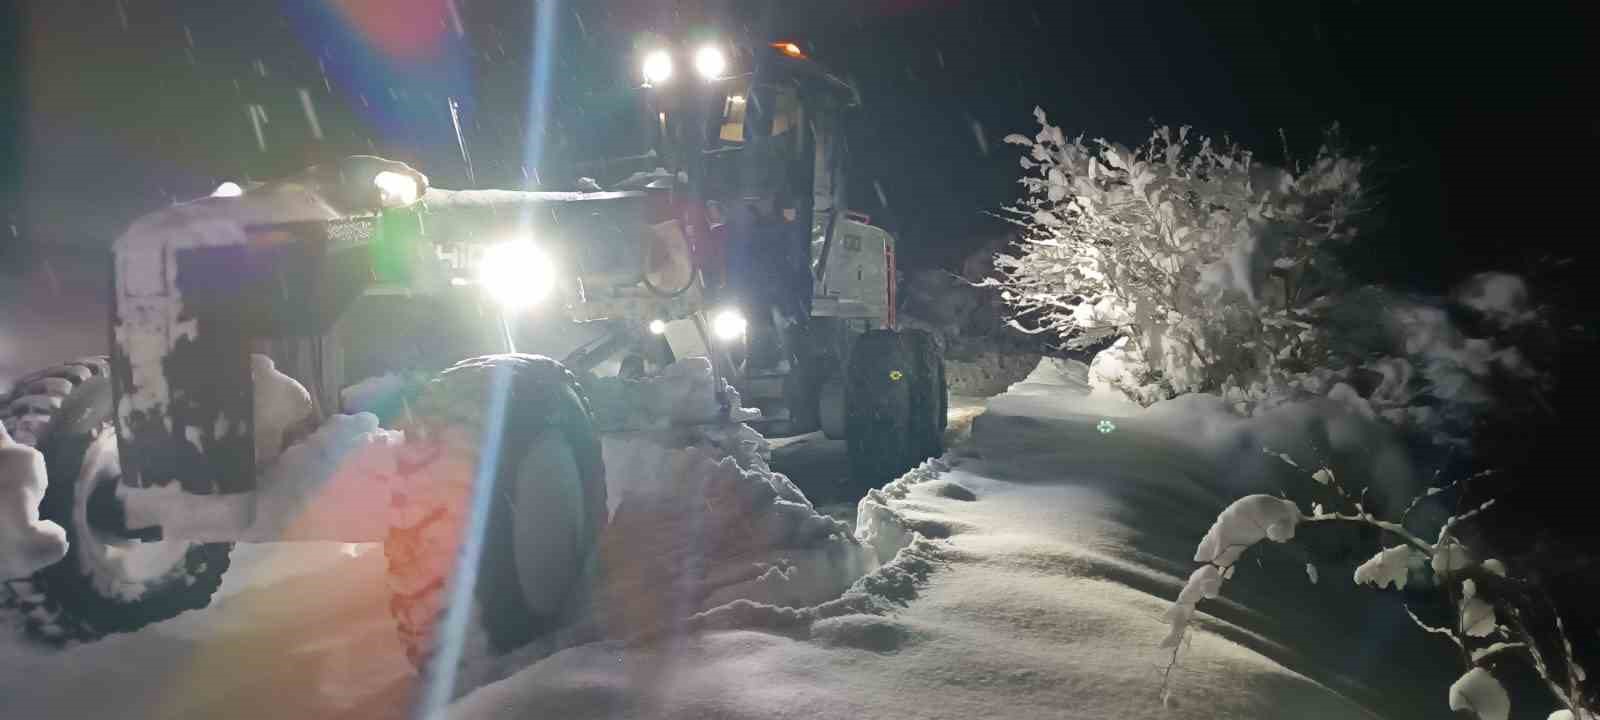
{"x": 710, "y": 62}
{"x": 657, "y": 67}
{"x": 728, "y": 325}
{"x": 516, "y": 274}
{"x": 396, "y": 190}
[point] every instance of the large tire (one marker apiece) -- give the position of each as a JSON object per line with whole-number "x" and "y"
{"x": 106, "y": 584}
{"x": 930, "y": 396}
{"x": 547, "y": 509}
{"x": 878, "y": 409}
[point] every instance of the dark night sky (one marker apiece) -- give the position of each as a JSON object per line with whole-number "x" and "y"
{"x": 1474, "y": 110}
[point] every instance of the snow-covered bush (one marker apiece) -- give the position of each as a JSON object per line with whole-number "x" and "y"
{"x": 1213, "y": 268}
{"x": 1444, "y": 367}
{"x": 1495, "y": 612}
{"x": 1198, "y": 269}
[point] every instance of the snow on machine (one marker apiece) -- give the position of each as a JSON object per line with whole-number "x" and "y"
{"x": 726, "y": 283}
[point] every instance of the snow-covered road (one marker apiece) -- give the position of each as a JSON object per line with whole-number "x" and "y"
{"x": 1048, "y": 550}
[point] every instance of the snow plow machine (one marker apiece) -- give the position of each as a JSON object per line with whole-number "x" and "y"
{"x": 346, "y": 355}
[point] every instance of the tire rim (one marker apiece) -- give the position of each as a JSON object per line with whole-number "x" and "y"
{"x": 118, "y": 567}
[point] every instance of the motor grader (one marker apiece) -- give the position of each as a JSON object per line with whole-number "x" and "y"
{"x": 239, "y": 319}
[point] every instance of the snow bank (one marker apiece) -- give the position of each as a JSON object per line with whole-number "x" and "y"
{"x": 700, "y": 521}
{"x": 883, "y": 528}
{"x": 1063, "y": 388}
{"x": 1024, "y": 579}
{"x": 1028, "y": 573}
{"x": 1427, "y": 366}
{"x": 1315, "y": 433}
{"x": 27, "y": 543}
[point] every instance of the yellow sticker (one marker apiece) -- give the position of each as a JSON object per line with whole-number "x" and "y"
{"x": 896, "y": 375}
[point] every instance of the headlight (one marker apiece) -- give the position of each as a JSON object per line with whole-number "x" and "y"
{"x": 516, "y": 274}
{"x": 710, "y": 62}
{"x": 228, "y": 189}
{"x": 728, "y": 325}
{"x": 658, "y": 327}
{"x": 396, "y": 190}
{"x": 657, "y": 67}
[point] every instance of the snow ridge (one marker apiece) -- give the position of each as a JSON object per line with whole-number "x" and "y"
{"x": 905, "y": 560}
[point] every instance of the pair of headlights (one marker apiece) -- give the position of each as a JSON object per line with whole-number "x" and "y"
{"x": 709, "y": 62}
{"x": 394, "y": 189}
{"x": 517, "y": 275}
{"x": 727, "y": 325}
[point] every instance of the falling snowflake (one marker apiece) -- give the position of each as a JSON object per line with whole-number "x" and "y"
{"x": 1106, "y": 426}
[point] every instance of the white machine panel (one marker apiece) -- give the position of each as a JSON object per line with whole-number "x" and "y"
{"x": 857, "y": 282}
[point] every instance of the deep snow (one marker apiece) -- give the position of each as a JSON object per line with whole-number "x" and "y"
{"x": 1024, "y": 576}
{"x": 298, "y": 630}
{"x": 1037, "y": 562}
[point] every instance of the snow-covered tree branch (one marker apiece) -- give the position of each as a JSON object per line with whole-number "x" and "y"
{"x": 1496, "y": 613}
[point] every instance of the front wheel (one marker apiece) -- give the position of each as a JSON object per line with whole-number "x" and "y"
{"x": 107, "y": 583}
{"x": 547, "y": 507}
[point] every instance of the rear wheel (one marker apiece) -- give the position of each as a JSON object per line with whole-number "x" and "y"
{"x": 930, "y": 397}
{"x": 108, "y": 583}
{"x": 878, "y": 408}
{"x": 895, "y": 405}
{"x": 546, "y": 510}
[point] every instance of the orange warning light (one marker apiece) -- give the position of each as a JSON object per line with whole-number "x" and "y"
{"x": 790, "y": 49}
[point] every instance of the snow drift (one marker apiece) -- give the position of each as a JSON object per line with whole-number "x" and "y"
{"x": 1023, "y": 576}
{"x": 700, "y": 522}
